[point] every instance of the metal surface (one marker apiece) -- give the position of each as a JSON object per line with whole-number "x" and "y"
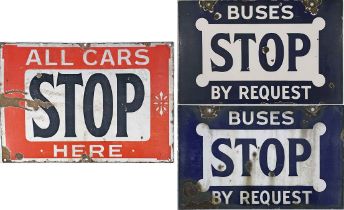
{"x": 261, "y": 157}
{"x": 87, "y": 102}
{"x": 257, "y": 51}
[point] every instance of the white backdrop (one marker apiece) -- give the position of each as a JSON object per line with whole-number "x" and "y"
{"x": 88, "y": 186}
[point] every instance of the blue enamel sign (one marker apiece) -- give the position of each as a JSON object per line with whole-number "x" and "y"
{"x": 236, "y": 52}
{"x": 260, "y": 157}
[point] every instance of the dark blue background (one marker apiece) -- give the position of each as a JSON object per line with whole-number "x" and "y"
{"x": 190, "y": 52}
{"x": 190, "y": 153}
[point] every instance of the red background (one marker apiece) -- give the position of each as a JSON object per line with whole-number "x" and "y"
{"x": 14, "y": 69}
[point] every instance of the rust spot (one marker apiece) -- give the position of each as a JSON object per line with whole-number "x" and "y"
{"x": 313, "y": 110}
{"x": 312, "y": 6}
{"x": 190, "y": 189}
{"x": 19, "y": 156}
{"x": 248, "y": 166}
{"x": 207, "y": 6}
{"x": 17, "y": 102}
{"x": 209, "y": 112}
{"x": 254, "y": 154}
{"x": 200, "y": 205}
{"x": 265, "y": 49}
{"x": 194, "y": 198}
{"x": 85, "y": 159}
{"x": 215, "y": 201}
{"x": 304, "y": 123}
{"x": 271, "y": 174}
{"x": 84, "y": 45}
{"x": 331, "y": 85}
{"x": 6, "y": 155}
{"x": 147, "y": 44}
{"x": 199, "y": 186}
{"x": 220, "y": 167}
{"x": 39, "y": 75}
{"x": 217, "y": 16}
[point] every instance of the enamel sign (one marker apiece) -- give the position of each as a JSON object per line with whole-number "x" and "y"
{"x": 238, "y": 52}
{"x": 87, "y": 102}
{"x": 260, "y": 157}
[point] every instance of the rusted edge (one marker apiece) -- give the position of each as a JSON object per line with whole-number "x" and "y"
{"x": 85, "y": 159}
{"x": 19, "y": 156}
{"x": 84, "y": 46}
{"x": 194, "y": 198}
{"x": 171, "y": 101}
{"x": 311, "y": 6}
{"x": 6, "y": 155}
{"x": 1, "y": 110}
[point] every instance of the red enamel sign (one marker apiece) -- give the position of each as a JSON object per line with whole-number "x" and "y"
{"x": 87, "y": 102}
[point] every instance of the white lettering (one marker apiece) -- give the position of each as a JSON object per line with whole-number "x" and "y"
{"x": 142, "y": 54}
{"x": 115, "y": 150}
{"x": 33, "y": 58}
{"x": 57, "y": 150}
{"x": 85, "y": 57}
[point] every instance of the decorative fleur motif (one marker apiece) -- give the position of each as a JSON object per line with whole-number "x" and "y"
{"x": 161, "y": 103}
